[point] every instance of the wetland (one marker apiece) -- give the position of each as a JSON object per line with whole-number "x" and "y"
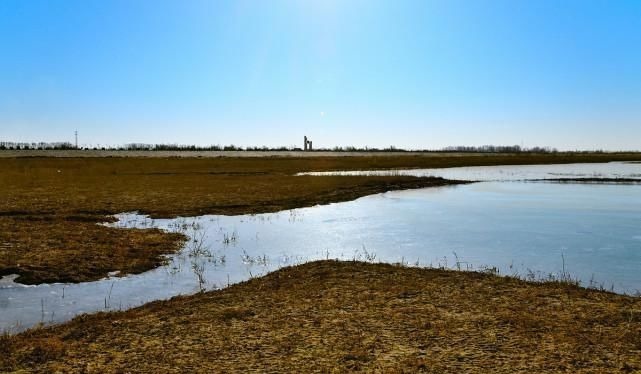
{"x": 247, "y": 236}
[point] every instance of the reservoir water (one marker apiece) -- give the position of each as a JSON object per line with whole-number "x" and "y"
{"x": 612, "y": 170}
{"x": 532, "y": 230}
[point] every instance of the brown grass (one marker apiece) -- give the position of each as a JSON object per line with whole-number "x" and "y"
{"x": 332, "y": 316}
{"x": 49, "y": 210}
{"x": 48, "y": 205}
{"x": 59, "y": 250}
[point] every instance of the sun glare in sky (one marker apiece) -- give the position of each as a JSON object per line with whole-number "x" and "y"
{"x": 414, "y": 74}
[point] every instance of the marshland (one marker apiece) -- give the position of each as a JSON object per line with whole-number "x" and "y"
{"x": 320, "y": 186}
{"x": 256, "y": 264}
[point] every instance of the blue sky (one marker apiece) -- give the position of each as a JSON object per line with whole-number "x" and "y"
{"x": 415, "y": 74}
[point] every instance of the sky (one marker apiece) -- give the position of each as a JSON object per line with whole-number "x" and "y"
{"x": 413, "y": 74}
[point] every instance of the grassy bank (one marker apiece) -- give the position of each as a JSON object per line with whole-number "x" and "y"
{"x": 49, "y": 206}
{"x": 339, "y": 316}
{"x": 64, "y": 250}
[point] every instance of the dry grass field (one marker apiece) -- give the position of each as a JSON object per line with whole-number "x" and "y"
{"x": 49, "y": 206}
{"x": 319, "y": 317}
{"x": 336, "y": 317}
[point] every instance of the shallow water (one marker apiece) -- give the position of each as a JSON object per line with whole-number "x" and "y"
{"x": 527, "y": 229}
{"x": 628, "y": 170}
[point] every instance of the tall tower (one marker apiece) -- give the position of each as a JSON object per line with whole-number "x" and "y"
{"x": 76, "y": 133}
{"x": 305, "y": 143}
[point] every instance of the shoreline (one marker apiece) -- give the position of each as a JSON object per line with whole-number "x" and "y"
{"x": 322, "y": 315}
{"x": 49, "y": 247}
{"x": 345, "y": 316}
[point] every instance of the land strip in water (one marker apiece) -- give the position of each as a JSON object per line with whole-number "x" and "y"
{"x": 590, "y": 180}
{"x": 51, "y": 208}
{"x": 50, "y": 205}
{"x": 333, "y": 316}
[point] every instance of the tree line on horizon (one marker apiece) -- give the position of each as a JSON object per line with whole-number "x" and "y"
{"x": 65, "y": 146}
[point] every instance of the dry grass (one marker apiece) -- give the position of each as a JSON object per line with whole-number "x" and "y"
{"x": 347, "y": 316}
{"x": 70, "y": 251}
{"x": 48, "y": 205}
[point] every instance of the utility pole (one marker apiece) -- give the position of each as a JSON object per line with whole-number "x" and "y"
{"x": 76, "y": 133}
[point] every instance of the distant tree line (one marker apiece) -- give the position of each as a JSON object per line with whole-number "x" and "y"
{"x": 180, "y": 147}
{"x": 500, "y": 149}
{"x": 39, "y": 145}
{"x": 4, "y": 145}
{"x": 457, "y": 149}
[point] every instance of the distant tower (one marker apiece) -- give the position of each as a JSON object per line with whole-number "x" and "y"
{"x": 310, "y": 145}
{"x": 305, "y": 143}
{"x": 76, "y": 133}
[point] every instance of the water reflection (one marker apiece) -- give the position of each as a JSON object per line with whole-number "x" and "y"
{"x": 614, "y": 170}
{"x": 529, "y": 230}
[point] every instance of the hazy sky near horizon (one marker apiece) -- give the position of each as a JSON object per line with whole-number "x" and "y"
{"x": 414, "y": 74}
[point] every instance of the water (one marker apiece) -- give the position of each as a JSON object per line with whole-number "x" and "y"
{"x": 628, "y": 170}
{"x": 525, "y": 229}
